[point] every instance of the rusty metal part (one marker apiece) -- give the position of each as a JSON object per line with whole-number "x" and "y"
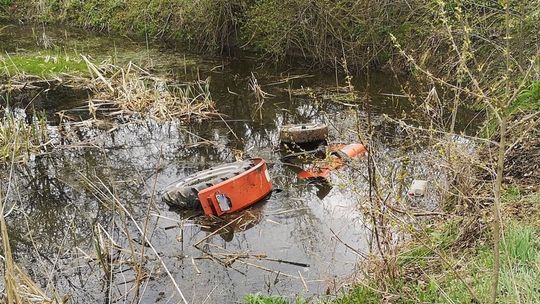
{"x": 303, "y": 133}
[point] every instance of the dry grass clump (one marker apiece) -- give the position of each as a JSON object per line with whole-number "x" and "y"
{"x": 21, "y": 289}
{"x": 522, "y": 162}
{"x": 135, "y": 91}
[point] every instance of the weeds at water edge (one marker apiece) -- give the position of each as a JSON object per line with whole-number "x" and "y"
{"x": 135, "y": 91}
{"x": 18, "y": 139}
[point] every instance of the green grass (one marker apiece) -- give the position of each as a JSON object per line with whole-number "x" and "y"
{"x": 520, "y": 273}
{"x": 511, "y": 194}
{"x": 261, "y": 299}
{"x": 359, "y": 295}
{"x": 528, "y": 101}
{"x": 520, "y": 270}
{"x": 43, "y": 64}
{"x": 5, "y": 2}
{"x": 436, "y": 283}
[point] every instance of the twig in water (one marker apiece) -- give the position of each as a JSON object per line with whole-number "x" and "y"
{"x": 209, "y": 294}
{"x": 360, "y": 254}
{"x": 137, "y": 226}
{"x": 260, "y": 95}
{"x": 195, "y": 266}
{"x": 303, "y": 281}
{"x": 217, "y": 230}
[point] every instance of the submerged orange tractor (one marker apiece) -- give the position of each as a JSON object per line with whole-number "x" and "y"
{"x": 235, "y": 186}
{"x": 223, "y": 189}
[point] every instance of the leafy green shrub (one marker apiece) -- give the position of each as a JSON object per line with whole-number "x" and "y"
{"x": 326, "y": 30}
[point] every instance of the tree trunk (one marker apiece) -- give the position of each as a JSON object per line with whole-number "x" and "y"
{"x": 497, "y": 210}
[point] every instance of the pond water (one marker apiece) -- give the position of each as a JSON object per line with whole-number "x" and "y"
{"x": 63, "y": 202}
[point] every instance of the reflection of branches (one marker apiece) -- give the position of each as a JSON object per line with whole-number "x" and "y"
{"x": 44, "y": 186}
{"x": 226, "y": 258}
{"x": 105, "y": 193}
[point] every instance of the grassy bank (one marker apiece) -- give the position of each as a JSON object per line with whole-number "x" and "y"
{"x": 43, "y": 64}
{"x": 318, "y": 31}
{"x": 425, "y": 278}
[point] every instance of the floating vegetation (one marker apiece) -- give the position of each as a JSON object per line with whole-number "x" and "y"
{"x": 342, "y": 95}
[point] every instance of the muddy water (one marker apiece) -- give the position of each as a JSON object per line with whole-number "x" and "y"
{"x": 65, "y": 200}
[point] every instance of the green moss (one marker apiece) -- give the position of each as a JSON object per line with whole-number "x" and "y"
{"x": 42, "y": 64}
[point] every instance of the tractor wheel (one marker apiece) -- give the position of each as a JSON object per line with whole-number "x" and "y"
{"x": 303, "y": 133}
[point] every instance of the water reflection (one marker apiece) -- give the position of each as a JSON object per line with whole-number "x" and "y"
{"x": 227, "y": 226}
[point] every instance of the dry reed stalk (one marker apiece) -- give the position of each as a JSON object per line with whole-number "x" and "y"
{"x": 10, "y": 276}
{"x": 260, "y": 95}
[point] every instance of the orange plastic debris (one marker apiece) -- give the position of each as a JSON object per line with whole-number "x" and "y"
{"x": 354, "y": 150}
{"x": 314, "y": 173}
{"x": 237, "y": 193}
{"x": 338, "y": 155}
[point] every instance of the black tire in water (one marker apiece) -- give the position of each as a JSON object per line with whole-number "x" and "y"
{"x": 184, "y": 194}
{"x": 303, "y": 133}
